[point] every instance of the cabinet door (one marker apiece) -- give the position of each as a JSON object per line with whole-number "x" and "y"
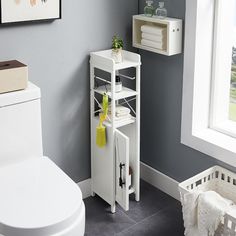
{"x": 122, "y": 169}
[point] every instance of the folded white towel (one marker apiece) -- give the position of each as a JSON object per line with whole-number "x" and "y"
{"x": 120, "y": 110}
{"x": 122, "y": 114}
{"x": 152, "y": 44}
{"x": 203, "y": 211}
{"x": 123, "y": 118}
{"x": 120, "y": 118}
{"x": 156, "y": 30}
{"x": 153, "y": 37}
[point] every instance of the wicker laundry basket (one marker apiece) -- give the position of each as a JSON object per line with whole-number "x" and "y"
{"x": 221, "y": 181}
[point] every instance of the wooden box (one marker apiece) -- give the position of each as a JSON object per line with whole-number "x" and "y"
{"x": 13, "y": 76}
{"x": 173, "y": 34}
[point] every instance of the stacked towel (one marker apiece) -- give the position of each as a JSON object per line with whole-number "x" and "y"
{"x": 154, "y": 36}
{"x": 122, "y": 113}
{"x": 154, "y": 30}
{"x": 120, "y": 110}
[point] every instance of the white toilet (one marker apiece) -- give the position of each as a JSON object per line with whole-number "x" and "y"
{"x": 36, "y": 197}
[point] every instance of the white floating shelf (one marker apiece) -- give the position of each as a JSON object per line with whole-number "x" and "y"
{"x": 125, "y": 93}
{"x": 173, "y": 35}
{"x": 104, "y": 60}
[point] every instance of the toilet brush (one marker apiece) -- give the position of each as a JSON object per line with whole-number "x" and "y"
{"x": 101, "y": 130}
{"x": 101, "y": 133}
{"x": 105, "y": 104}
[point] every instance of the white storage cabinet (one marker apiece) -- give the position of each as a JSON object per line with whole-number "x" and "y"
{"x": 173, "y": 37}
{"x": 110, "y": 165}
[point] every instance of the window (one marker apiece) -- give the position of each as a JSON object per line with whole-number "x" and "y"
{"x": 223, "y": 111}
{"x": 232, "y": 105}
{"x": 209, "y": 88}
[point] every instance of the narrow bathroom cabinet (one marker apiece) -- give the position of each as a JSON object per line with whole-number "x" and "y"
{"x": 112, "y": 165}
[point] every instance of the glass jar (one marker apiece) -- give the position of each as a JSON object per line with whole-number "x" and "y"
{"x": 149, "y": 9}
{"x": 161, "y": 11}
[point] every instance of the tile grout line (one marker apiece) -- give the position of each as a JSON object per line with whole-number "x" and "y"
{"x": 128, "y": 217}
{"x": 147, "y": 216}
{"x": 125, "y": 230}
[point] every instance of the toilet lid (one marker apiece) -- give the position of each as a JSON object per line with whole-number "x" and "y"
{"x": 36, "y": 195}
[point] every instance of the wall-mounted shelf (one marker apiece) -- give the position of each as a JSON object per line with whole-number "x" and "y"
{"x": 171, "y": 38}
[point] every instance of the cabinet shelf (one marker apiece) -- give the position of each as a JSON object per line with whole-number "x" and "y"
{"x": 103, "y": 60}
{"x": 118, "y": 124}
{"x": 172, "y": 38}
{"x": 131, "y": 190}
{"x": 125, "y": 93}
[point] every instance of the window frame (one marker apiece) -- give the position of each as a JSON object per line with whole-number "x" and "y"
{"x": 221, "y": 68}
{"x": 196, "y": 102}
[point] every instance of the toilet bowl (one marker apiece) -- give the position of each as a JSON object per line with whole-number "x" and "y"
{"x": 36, "y": 197}
{"x": 39, "y": 199}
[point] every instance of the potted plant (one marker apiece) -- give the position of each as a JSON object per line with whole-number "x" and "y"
{"x": 117, "y": 45}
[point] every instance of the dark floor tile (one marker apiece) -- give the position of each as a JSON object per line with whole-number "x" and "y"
{"x": 96, "y": 205}
{"x": 152, "y": 200}
{"x": 167, "y": 222}
{"x": 156, "y": 214}
{"x": 101, "y": 222}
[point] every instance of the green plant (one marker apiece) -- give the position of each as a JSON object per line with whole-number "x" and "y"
{"x": 117, "y": 42}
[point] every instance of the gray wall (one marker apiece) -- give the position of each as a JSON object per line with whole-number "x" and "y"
{"x": 58, "y": 54}
{"x": 162, "y": 79}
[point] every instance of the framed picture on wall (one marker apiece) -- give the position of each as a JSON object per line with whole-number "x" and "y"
{"x": 12, "y": 11}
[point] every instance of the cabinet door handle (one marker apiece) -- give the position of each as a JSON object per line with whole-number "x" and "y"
{"x": 121, "y": 182}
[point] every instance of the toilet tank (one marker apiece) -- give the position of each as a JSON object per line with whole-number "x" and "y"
{"x": 20, "y": 125}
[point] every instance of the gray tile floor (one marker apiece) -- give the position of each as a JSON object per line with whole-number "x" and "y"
{"x": 157, "y": 214}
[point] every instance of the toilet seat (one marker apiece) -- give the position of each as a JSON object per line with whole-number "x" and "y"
{"x": 37, "y": 198}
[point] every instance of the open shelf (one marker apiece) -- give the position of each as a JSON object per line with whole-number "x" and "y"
{"x": 172, "y": 37}
{"x": 104, "y": 60}
{"x": 125, "y": 93}
{"x": 131, "y": 190}
{"x": 118, "y": 124}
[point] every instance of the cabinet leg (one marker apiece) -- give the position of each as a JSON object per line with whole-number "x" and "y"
{"x": 137, "y": 197}
{"x": 113, "y": 208}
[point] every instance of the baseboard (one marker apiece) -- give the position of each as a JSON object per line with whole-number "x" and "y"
{"x": 85, "y": 187}
{"x": 150, "y": 175}
{"x": 159, "y": 180}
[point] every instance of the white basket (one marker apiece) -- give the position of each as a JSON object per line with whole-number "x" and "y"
{"x": 221, "y": 181}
